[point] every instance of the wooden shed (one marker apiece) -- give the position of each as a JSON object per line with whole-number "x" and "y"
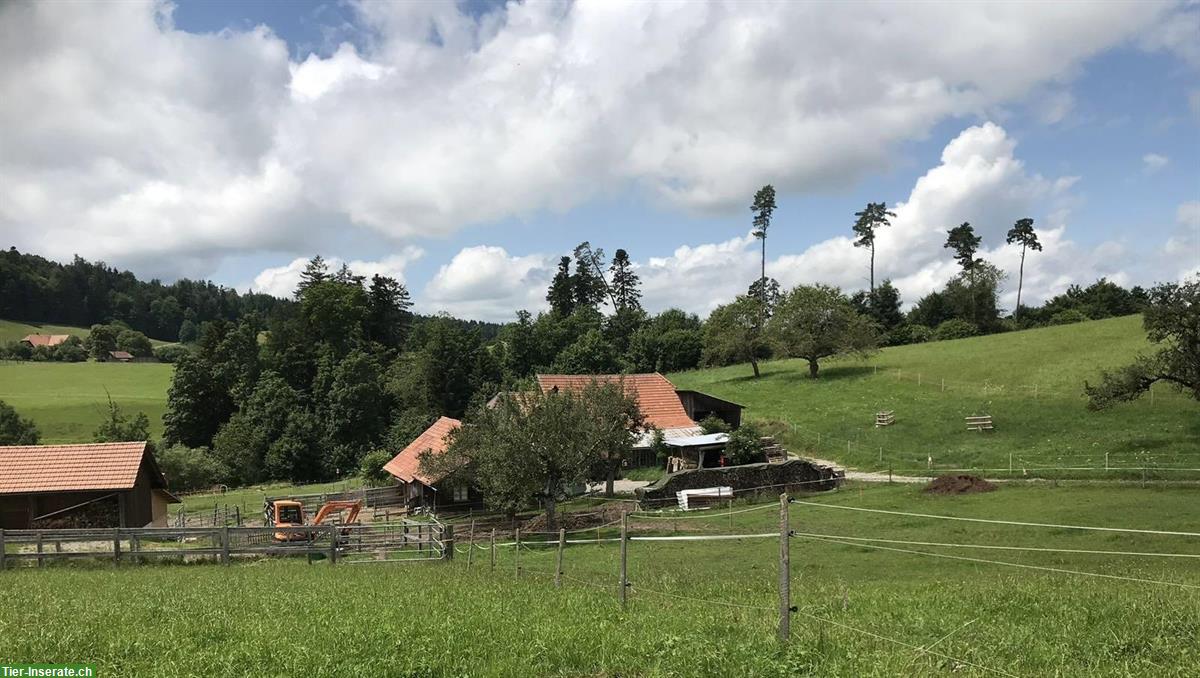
{"x": 91, "y": 485}
{"x": 440, "y": 493}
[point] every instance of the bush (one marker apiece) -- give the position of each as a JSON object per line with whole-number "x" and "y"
{"x": 71, "y": 351}
{"x": 135, "y": 343}
{"x": 170, "y": 353}
{"x": 744, "y": 446}
{"x": 190, "y": 468}
{"x": 371, "y": 467}
{"x": 15, "y": 350}
{"x": 955, "y": 328}
{"x": 714, "y": 424}
{"x": 912, "y": 333}
{"x": 1068, "y": 317}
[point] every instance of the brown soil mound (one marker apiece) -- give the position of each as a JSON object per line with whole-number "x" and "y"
{"x": 591, "y": 517}
{"x": 958, "y": 484}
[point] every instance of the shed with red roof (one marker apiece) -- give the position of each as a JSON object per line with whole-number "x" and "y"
{"x": 433, "y": 492}
{"x": 92, "y": 485}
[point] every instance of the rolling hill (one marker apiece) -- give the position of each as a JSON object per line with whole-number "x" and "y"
{"x": 1030, "y": 382}
{"x": 15, "y": 330}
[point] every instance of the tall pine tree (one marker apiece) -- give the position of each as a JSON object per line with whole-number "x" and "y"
{"x": 625, "y": 283}
{"x": 561, "y": 294}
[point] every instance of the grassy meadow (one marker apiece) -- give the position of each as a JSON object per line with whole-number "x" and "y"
{"x": 1031, "y": 383}
{"x": 68, "y": 401}
{"x": 862, "y": 611}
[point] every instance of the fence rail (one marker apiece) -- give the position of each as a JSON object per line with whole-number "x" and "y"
{"x": 382, "y": 542}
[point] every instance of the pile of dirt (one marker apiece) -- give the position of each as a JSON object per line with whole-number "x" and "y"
{"x": 958, "y": 484}
{"x": 591, "y": 517}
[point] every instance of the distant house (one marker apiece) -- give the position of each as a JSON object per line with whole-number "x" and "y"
{"x": 120, "y": 356}
{"x": 49, "y": 340}
{"x": 93, "y": 485}
{"x": 673, "y": 412}
{"x": 433, "y": 492}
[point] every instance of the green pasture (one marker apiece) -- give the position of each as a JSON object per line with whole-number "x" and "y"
{"x": 695, "y": 608}
{"x": 68, "y": 401}
{"x": 14, "y": 330}
{"x": 1030, "y": 382}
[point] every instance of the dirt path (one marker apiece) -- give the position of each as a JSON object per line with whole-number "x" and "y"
{"x": 870, "y": 476}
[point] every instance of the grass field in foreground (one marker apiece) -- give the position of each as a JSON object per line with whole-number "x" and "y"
{"x": 68, "y": 401}
{"x": 432, "y": 619}
{"x": 1031, "y": 382}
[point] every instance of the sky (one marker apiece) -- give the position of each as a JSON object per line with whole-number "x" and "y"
{"x": 463, "y": 148}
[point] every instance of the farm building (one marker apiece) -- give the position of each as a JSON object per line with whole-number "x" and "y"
{"x": 421, "y": 490}
{"x": 119, "y": 356}
{"x": 92, "y": 485}
{"x": 673, "y": 412}
{"x": 49, "y": 340}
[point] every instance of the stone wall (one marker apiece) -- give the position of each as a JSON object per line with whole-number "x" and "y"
{"x": 794, "y": 475}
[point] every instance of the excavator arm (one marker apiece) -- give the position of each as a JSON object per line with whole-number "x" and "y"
{"x": 331, "y": 507}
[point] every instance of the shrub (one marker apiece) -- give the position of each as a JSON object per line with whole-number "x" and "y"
{"x": 744, "y": 446}
{"x": 190, "y": 468}
{"x": 170, "y": 353}
{"x": 1068, "y": 317}
{"x": 714, "y": 424}
{"x": 71, "y": 351}
{"x": 15, "y": 350}
{"x": 371, "y": 467}
{"x": 135, "y": 343}
{"x": 955, "y": 328}
{"x": 910, "y": 333}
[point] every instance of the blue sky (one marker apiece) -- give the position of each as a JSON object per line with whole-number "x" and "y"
{"x": 465, "y": 148}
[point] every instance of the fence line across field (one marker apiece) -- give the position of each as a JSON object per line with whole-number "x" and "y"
{"x": 1023, "y": 566}
{"x": 997, "y": 522}
{"x": 998, "y": 547}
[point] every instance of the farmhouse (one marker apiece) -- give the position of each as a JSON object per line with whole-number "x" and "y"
{"x": 119, "y": 356}
{"x": 49, "y": 340}
{"x": 671, "y": 411}
{"x": 421, "y": 490}
{"x": 92, "y": 485}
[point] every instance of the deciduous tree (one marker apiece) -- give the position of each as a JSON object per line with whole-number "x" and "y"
{"x": 1172, "y": 322}
{"x": 818, "y": 321}
{"x": 733, "y": 333}
{"x": 14, "y": 429}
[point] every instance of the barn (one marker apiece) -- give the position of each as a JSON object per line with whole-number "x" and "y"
{"x": 91, "y": 485}
{"x": 422, "y": 490}
{"x": 48, "y": 340}
{"x": 671, "y": 411}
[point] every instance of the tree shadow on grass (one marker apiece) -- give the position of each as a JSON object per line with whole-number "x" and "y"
{"x": 800, "y": 374}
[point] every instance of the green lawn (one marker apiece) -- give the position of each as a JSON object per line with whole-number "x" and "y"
{"x": 68, "y": 401}
{"x": 423, "y": 619}
{"x": 1030, "y": 382}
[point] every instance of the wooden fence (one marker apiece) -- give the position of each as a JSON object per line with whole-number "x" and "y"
{"x": 381, "y": 542}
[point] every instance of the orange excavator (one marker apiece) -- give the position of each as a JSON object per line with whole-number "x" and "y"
{"x": 290, "y": 513}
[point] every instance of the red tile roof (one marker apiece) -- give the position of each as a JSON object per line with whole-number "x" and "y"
{"x": 655, "y": 395}
{"x": 70, "y": 468}
{"x": 121, "y": 355}
{"x": 45, "y": 339}
{"x": 405, "y": 465}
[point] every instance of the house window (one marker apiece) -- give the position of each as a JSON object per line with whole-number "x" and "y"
{"x": 461, "y": 493}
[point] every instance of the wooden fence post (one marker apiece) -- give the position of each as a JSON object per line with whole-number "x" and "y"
{"x": 224, "y": 545}
{"x": 448, "y": 542}
{"x": 333, "y": 544}
{"x": 471, "y": 544}
{"x": 730, "y": 516}
{"x": 493, "y": 548}
{"x": 135, "y": 547}
{"x": 41, "y": 563}
{"x": 785, "y": 572}
{"x": 624, "y": 557}
{"x": 3, "y": 564}
{"x": 116, "y": 546}
{"x": 558, "y": 572}
{"x": 517, "y": 571}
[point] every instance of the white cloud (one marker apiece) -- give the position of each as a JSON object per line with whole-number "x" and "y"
{"x": 148, "y": 146}
{"x": 487, "y": 283}
{"x": 979, "y": 180}
{"x": 281, "y": 281}
{"x": 1153, "y": 162}
{"x": 1182, "y": 251}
